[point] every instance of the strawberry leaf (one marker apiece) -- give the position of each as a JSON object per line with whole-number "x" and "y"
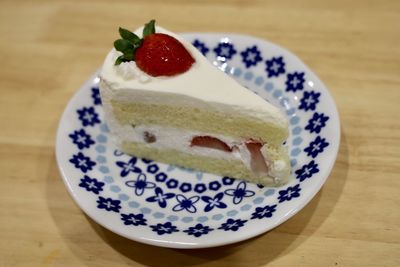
{"x": 119, "y": 60}
{"x": 123, "y": 45}
{"x": 149, "y": 28}
{"x": 129, "y": 55}
{"x": 129, "y": 36}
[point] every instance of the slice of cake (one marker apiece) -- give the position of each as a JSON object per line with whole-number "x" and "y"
{"x": 163, "y": 100}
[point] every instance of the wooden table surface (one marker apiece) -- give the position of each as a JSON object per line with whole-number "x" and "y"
{"x": 49, "y": 48}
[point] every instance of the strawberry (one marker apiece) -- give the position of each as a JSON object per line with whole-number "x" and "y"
{"x": 257, "y": 161}
{"x": 210, "y": 142}
{"x": 162, "y": 55}
{"x": 156, "y": 54}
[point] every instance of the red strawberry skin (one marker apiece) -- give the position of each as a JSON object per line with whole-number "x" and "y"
{"x": 257, "y": 161}
{"x": 210, "y": 142}
{"x": 162, "y": 55}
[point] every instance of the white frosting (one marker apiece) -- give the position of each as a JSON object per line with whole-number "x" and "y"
{"x": 129, "y": 70}
{"x": 203, "y": 85}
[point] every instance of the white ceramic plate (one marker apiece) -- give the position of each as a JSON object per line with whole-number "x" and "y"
{"x": 168, "y": 206}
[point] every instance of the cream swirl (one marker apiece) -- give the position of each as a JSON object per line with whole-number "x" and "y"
{"x": 129, "y": 70}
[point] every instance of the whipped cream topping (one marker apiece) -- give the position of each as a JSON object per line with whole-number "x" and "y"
{"x": 129, "y": 70}
{"x": 202, "y": 83}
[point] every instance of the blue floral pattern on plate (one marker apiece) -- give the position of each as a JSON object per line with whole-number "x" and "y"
{"x": 175, "y": 206}
{"x": 81, "y": 139}
{"x": 132, "y": 219}
{"x": 275, "y": 67}
{"x": 225, "y": 51}
{"x": 251, "y": 56}
{"x": 91, "y": 184}
{"x": 198, "y": 230}
{"x": 232, "y": 225}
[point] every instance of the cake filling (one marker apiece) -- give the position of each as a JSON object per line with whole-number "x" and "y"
{"x": 210, "y": 142}
{"x": 258, "y": 163}
{"x": 249, "y": 151}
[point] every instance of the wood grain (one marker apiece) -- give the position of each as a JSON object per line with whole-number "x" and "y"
{"x": 49, "y": 48}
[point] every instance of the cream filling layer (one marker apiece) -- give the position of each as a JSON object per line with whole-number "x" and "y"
{"x": 177, "y": 139}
